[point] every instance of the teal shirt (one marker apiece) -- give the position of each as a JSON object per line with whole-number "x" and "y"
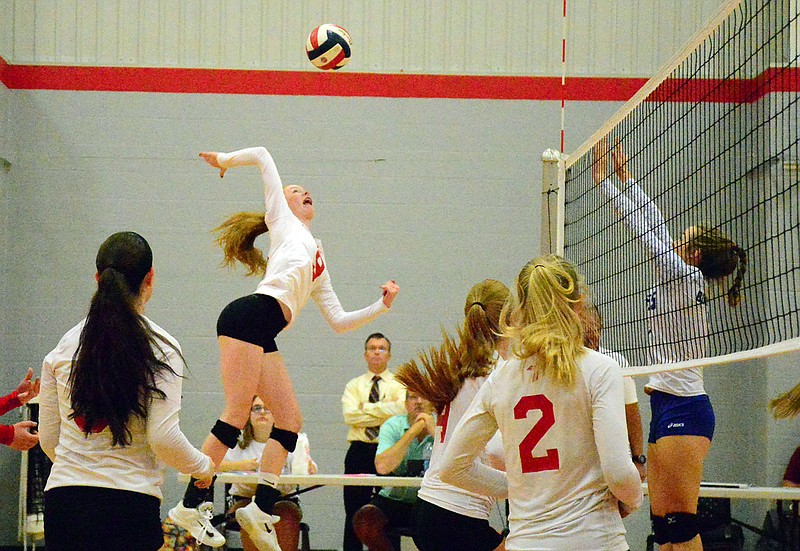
{"x": 391, "y": 431}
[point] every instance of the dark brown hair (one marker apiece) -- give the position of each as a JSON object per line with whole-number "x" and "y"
{"x": 720, "y": 256}
{"x": 115, "y": 366}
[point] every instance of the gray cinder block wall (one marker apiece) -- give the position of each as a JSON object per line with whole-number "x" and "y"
{"x": 436, "y": 194}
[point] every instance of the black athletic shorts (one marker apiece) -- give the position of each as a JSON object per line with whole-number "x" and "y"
{"x": 88, "y": 518}
{"x": 441, "y": 530}
{"x": 256, "y": 319}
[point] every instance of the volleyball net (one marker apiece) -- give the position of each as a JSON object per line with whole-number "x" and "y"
{"x": 713, "y": 141}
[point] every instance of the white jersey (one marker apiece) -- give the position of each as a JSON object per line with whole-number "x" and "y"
{"x": 629, "y": 386}
{"x": 567, "y": 455}
{"x": 678, "y": 327}
{"x": 80, "y": 460}
{"x": 447, "y": 496}
{"x": 255, "y": 450}
{"x": 296, "y": 269}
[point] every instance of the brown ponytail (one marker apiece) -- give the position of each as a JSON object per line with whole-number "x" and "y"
{"x": 445, "y": 368}
{"x": 720, "y": 256}
{"x": 237, "y": 236}
{"x": 437, "y": 378}
{"x": 734, "y": 293}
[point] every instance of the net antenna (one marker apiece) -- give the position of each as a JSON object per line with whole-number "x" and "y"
{"x": 712, "y": 142}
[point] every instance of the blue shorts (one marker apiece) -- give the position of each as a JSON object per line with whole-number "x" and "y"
{"x": 680, "y": 416}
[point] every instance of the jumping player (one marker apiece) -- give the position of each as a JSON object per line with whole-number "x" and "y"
{"x": 450, "y": 380}
{"x": 249, "y": 359}
{"x": 682, "y": 422}
{"x": 559, "y": 408}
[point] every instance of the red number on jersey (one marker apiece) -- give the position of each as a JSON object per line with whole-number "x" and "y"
{"x": 319, "y": 266}
{"x": 533, "y": 463}
{"x": 441, "y": 421}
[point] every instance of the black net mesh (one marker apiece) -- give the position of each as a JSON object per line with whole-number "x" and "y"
{"x": 716, "y": 144}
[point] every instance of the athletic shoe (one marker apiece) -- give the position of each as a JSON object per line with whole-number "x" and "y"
{"x": 259, "y": 526}
{"x": 197, "y": 521}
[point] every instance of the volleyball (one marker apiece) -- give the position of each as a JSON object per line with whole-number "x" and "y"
{"x": 328, "y": 47}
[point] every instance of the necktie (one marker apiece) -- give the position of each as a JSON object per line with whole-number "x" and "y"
{"x": 374, "y": 396}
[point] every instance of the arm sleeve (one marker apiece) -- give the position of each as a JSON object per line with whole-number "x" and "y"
{"x": 6, "y": 434}
{"x": 274, "y": 199}
{"x": 640, "y": 215}
{"x": 629, "y": 391}
{"x": 7, "y": 403}
{"x": 611, "y": 438}
{"x": 163, "y": 430}
{"x": 372, "y": 414}
{"x": 49, "y": 416}
{"x": 651, "y": 213}
{"x": 339, "y": 320}
{"x": 460, "y": 464}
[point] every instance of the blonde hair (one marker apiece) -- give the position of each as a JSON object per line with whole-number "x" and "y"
{"x": 542, "y": 321}
{"x": 445, "y": 368}
{"x": 237, "y": 236}
{"x": 786, "y": 405}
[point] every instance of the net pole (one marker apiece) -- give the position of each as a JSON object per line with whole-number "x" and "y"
{"x": 551, "y": 222}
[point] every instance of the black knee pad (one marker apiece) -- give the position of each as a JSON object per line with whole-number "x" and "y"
{"x": 681, "y": 527}
{"x": 660, "y": 533}
{"x": 225, "y": 433}
{"x": 285, "y": 438}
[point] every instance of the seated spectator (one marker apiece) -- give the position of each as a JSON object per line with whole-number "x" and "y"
{"x": 402, "y": 443}
{"x": 246, "y": 457}
{"x": 791, "y": 478}
{"x": 19, "y": 436}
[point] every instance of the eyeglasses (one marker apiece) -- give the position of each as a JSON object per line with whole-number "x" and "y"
{"x": 259, "y": 409}
{"x": 377, "y": 349}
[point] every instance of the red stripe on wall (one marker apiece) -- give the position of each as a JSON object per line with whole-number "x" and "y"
{"x": 775, "y": 79}
{"x": 348, "y": 84}
{"x": 310, "y": 83}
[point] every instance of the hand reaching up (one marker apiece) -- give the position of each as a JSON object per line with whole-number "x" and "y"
{"x": 211, "y": 158}
{"x": 620, "y": 162}
{"x": 390, "y": 290}
{"x": 600, "y": 161}
{"x": 28, "y": 389}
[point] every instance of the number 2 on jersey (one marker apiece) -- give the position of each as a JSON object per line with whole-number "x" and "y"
{"x": 536, "y": 463}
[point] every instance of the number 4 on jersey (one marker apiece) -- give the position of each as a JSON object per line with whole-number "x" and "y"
{"x": 536, "y": 463}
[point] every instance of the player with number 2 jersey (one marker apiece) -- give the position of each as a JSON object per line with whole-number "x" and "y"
{"x": 560, "y": 410}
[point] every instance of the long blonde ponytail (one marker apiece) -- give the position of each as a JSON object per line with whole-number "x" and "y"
{"x": 542, "y": 320}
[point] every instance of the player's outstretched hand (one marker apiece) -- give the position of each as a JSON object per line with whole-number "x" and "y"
{"x": 620, "y": 162}
{"x": 28, "y": 389}
{"x": 390, "y": 290}
{"x": 600, "y": 160}
{"x": 211, "y": 158}
{"x": 24, "y": 438}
